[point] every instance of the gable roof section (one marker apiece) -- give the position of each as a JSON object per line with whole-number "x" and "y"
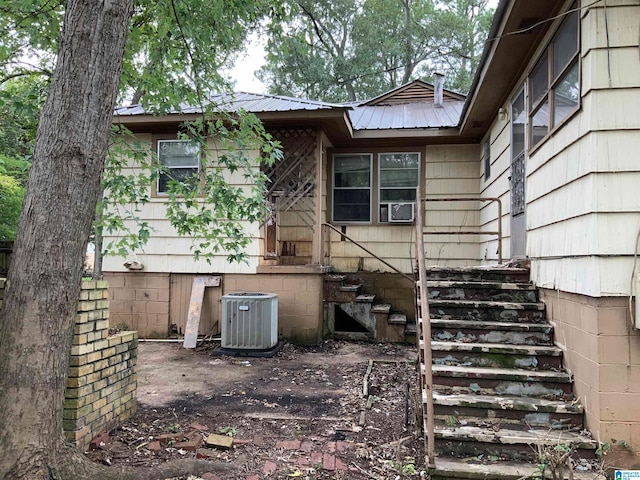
{"x": 416, "y": 91}
{"x": 409, "y": 106}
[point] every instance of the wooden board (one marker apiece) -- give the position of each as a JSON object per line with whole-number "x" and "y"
{"x": 195, "y": 308}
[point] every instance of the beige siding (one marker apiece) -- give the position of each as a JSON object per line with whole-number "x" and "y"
{"x": 450, "y": 171}
{"x": 496, "y": 186}
{"x": 166, "y": 251}
{"x": 581, "y": 186}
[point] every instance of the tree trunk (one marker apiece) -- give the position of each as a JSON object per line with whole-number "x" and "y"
{"x": 36, "y": 323}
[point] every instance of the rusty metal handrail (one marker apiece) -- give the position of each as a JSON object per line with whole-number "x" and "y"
{"x": 471, "y": 232}
{"x": 423, "y": 324}
{"x": 344, "y": 235}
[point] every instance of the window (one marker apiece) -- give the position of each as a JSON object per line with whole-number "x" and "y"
{"x": 357, "y": 191}
{"x": 554, "y": 84}
{"x": 398, "y": 180}
{"x": 352, "y": 188}
{"x": 487, "y": 158}
{"x": 181, "y": 159}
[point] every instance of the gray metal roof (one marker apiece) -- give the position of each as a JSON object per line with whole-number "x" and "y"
{"x": 411, "y": 115}
{"x": 250, "y": 102}
{"x": 407, "y": 115}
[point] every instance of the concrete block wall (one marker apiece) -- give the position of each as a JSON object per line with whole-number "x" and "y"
{"x": 140, "y": 300}
{"x": 102, "y": 380}
{"x": 299, "y": 301}
{"x": 602, "y": 351}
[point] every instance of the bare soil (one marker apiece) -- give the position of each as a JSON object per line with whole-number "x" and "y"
{"x": 289, "y": 415}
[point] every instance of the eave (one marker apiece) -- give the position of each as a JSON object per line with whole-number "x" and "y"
{"x": 504, "y": 59}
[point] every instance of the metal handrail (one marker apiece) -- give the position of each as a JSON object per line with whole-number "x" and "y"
{"x": 344, "y": 235}
{"x": 423, "y": 324}
{"x": 472, "y": 232}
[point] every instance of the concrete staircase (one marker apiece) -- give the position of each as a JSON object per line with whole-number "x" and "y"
{"x": 354, "y": 315}
{"x": 500, "y": 389}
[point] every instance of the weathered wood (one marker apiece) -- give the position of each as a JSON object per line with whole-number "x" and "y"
{"x": 195, "y": 308}
{"x": 365, "y": 381}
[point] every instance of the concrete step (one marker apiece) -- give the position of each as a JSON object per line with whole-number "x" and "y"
{"x": 381, "y": 308}
{"x": 410, "y": 329}
{"x": 502, "y": 381}
{"x": 365, "y": 298}
{"x": 335, "y": 291}
{"x": 479, "y": 274}
{"x": 496, "y": 355}
{"x": 507, "y": 443}
{"x": 493, "y": 291}
{"x": 491, "y": 332}
{"x": 475, "y": 468}
{"x": 488, "y": 311}
{"x": 397, "y": 319}
{"x": 491, "y": 411}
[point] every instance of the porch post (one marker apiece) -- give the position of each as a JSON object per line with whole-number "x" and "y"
{"x": 318, "y": 231}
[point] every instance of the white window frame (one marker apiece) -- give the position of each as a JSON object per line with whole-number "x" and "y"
{"x": 382, "y": 218}
{"x": 195, "y": 166}
{"x": 334, "y": 187}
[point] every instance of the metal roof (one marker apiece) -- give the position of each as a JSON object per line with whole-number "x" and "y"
{"x": 407, "y": 115}
{"x": 250, "y": 102}
{"x": 410, "y": 115}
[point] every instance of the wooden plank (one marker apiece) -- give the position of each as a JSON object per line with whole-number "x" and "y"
{"x": 195, "y": 308}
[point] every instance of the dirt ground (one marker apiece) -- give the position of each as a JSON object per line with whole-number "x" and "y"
{"x": 299, "y": 414}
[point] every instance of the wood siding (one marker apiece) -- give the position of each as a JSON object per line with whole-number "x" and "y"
{"x": 448, "y": 171}
{"x": 583, "y": 211}
{"x": 166, "y": 251}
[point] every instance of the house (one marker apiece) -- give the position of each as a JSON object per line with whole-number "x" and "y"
{"x": 550, "y": 128}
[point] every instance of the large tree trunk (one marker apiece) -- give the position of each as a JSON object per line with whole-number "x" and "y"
{"x": 36, "y": 322}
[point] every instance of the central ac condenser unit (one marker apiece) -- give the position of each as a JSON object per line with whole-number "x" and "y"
{"x": 250, "y": 320}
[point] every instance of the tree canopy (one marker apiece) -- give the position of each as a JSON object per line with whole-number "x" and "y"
{"x": 347, "y": 50}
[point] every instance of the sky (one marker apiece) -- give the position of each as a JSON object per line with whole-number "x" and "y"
{"x": 254, "y": 57}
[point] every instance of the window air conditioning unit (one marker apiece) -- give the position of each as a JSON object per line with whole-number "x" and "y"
{"x": 402, "y": 212}
{"x": 250, "y": 320}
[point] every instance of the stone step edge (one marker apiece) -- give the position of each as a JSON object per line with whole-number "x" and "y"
{"x": 512, "y": 374}
{"x": 507, "y": 436}
{"x": 485, "y": 285}
{"x": 477, "y": 269}
{"x": 365, "y": 298}
{"x": 497, "y": 348}
{"x": 472, "y": 469}
{"x": 506, "y": 402}
{"x": 487, "y": 304}
{"x": 482, "y": 325}
{"x": 397, "y": 319}
{"x": 381, "y": 308}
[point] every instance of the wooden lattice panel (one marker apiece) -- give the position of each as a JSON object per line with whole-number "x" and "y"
{"x": 292, "y": 179}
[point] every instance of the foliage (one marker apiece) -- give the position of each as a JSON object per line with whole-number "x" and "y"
{"x": 11, "y": 196}
{"x": 347, "y": 50}
{"x": 169, "y": 60}
{"x": 212, "y": 215}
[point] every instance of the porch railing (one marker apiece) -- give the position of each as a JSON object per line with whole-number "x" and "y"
{"x": 346, "y": 237}
{"x": 470, "y": 232}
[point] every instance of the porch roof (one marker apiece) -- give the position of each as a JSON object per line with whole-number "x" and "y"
{"x": 250, "y": 102}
